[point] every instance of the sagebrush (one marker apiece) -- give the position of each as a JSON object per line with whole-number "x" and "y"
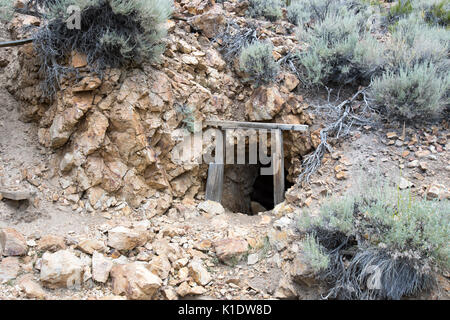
{"x": 389, "y": 239}
{"x": 269, "y": 9}
{"x": 257, "y": 61}
{"x": 113, "y": 33}
{"x": 338, "y": 52}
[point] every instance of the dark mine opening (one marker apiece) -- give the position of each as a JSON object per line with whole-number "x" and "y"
{"x": 247, "y": 191}
{"x": 262, "y": 192}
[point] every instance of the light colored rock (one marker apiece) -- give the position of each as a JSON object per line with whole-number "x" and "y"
{"x": 61, "y": 269}
{"x": 436, "y": 191}
{"x": 282, "y": 223}
{"x": 32, "y": 289}
{"x": 211, "y": 207}
{"x": 252, "y": 258}
{"x": 199, "y": 273}
{"x": 9, "y": 269}
{"x": 160, "y": 266}
{"x": 89, "y": 246}
{"x": 51, "y": 243}
{"x": 404, "y": 184}
{"x": 170, "y": 293}
{"x": 122, "y": 238}
{"x": 101, "y": 267}
{"x": 135, "y": 281}
{"x": 230, "y": 251}
{"x": 12, "y": 242}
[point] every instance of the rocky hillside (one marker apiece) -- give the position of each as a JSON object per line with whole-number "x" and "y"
{"x": 93, "y": 205}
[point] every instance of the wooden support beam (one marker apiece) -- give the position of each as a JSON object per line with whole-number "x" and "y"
{"x": 256, "y": 125}
{"x": 214, "y": 183}
{"x": 15, "y": 43}
{"x": 278, "y": 169}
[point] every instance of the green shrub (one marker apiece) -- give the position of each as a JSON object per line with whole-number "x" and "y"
{"x": 6, "y": 10}
{"x": 381, "y": 232}
{"x": 438, "y": 13}
{"x": 113, "y": 33}
{"x": 257, "y": 61}
{"x": 402, "y": 9}
{"x": 413, "y": 41}
{"x": 314, "y": 254}
{"x": 414, "y": 93}
{"x": 338, "y": 51}
{"x": 269, "y": 9}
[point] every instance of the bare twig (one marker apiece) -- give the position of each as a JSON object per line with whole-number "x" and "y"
{"x": 340, "y": 127}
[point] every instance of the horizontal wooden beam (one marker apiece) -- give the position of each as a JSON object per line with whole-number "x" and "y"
{"x": 255, "y": 125}
{"x": 15, "y": 43}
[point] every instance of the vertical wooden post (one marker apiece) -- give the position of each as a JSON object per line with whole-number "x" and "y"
{"x": 278, "y": 167}
{"x": 214, "y": 183}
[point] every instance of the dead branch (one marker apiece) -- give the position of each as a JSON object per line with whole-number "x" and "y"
{"x": 340, "y": 127}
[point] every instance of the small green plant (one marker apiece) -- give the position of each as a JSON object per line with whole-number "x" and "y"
{"x": 6, "y": 10}
{"x": 315, "y": 254}
{"x": 269, "y": 9}
{"x": 257, "y": 61}
{"x": 402, "y": 9}
{"x": 188, "y": 114}
{"x": 438, "y": 13}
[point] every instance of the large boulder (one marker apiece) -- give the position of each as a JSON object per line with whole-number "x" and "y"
{"x": 61, "y": 269}
{"x": 264, "y": 104}
{"x": 135, "y": 281}
{"x": 122, "y": 238}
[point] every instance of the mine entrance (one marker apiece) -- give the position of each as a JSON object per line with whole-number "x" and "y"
{"x": 244, "y": 183}
{"x": 245, "y": 190}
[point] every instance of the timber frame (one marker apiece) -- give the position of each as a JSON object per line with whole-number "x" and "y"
{"x": 214, "y": 184}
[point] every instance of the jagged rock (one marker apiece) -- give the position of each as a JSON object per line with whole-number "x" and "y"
{"x": 436, "y": 191}
{"x": 51, "y": 243}
{"x": 301, "y": 272}
{"x": 101, "y": 267}
{"x": 264, "y": 104}
{"x": 64, "y": 123}
{"x": 252, "y": 259}
{"x": 211, "y": 207}
{"x": 230, "y": 251}
{"x": 170, "y": 293}
{"x": 404, "y": 184}
{"x": 61, "y": 269}
{"x": 9, "y": 269}
{"x": 210, "y": 23}
{"x": 89, "y": 246}
{"x": 32, "y": 289}
{"x": 12, "y": 242}
{"x": 160, "y": 266}
{"x": 184, "y": 289}
{"x": 135, "y": 281}
{"x": 122, "y": 238}
{"x": 16, "y": 193}
{"x": 286, "y": 289}
{"x": 199, "y": 273}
